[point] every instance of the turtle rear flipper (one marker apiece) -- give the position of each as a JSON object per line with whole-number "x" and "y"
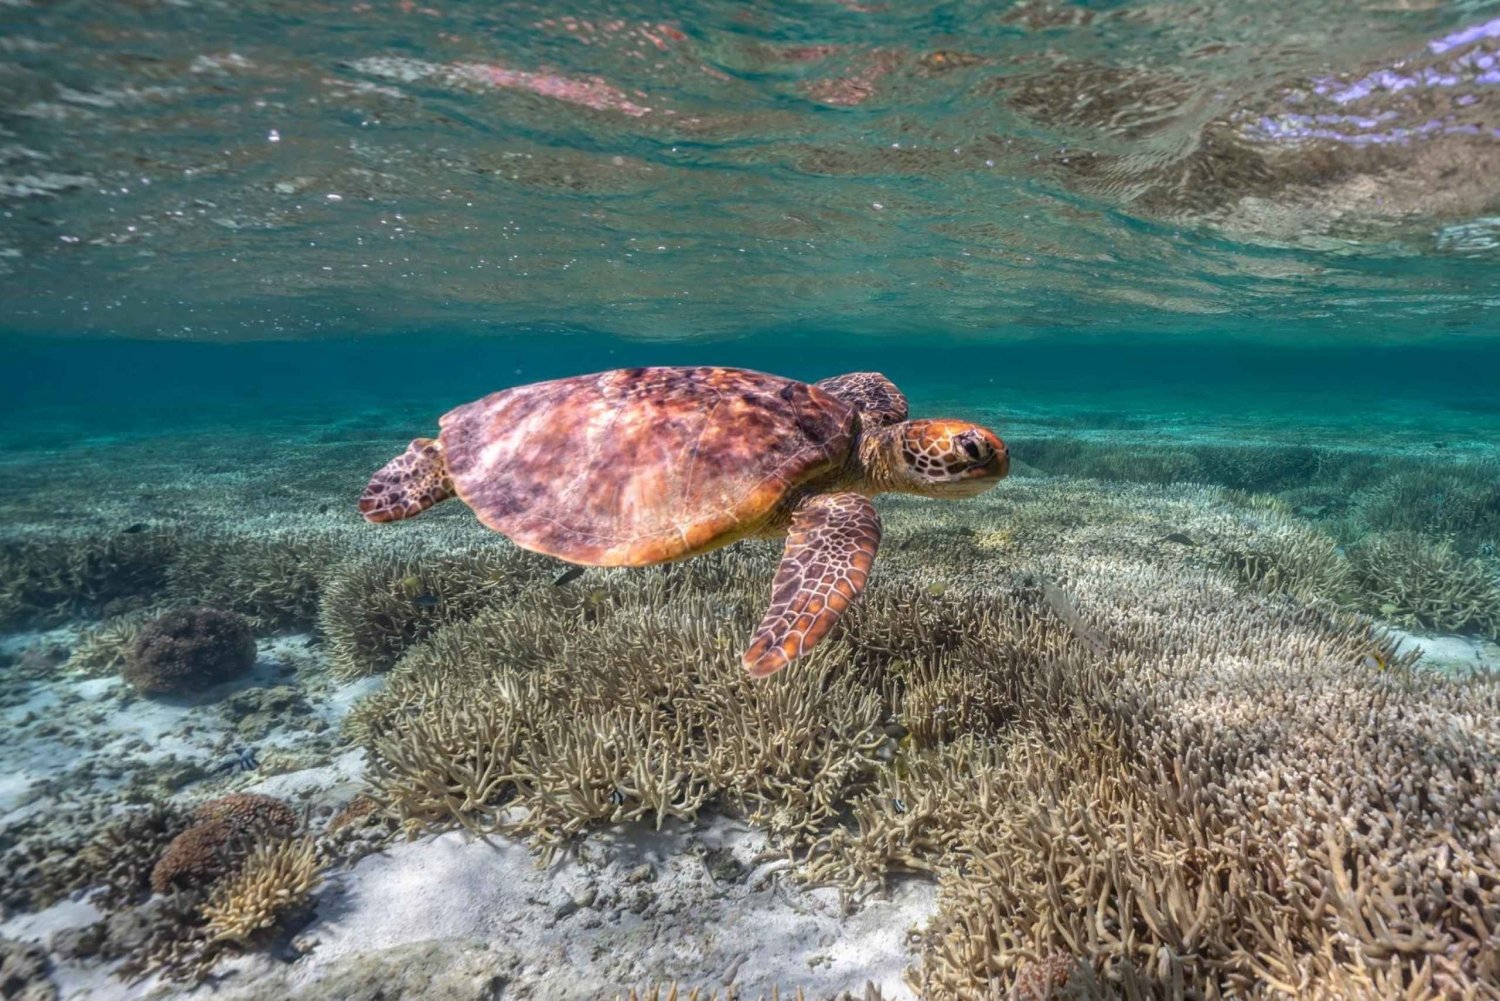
{"x": 409, "y": 484}
{"x": 823, "y": 569}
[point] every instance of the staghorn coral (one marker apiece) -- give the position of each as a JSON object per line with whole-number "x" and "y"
{"x": 165, "y": 938}
{"x": 274, "y": 579}
{"x": 23, "y": 972}
{"x": 277, "y": 879}
{"x": 233, "y": 873}
{"x": 103, "y": 650}
{"x": 490, "y": 724}
{"x": 48, "y": 579}
{"x": 1079, "y": 778}
{"x": 82, "y": 846}
{"x": 1292, "y": 559}
{"x": 375, "y": 606}
{"x": 1163, "y": 801}
{"x": 183, "y": 651}
{"x": 1457, "y": 500}
{"x": 120, "y": 857}
{"x": 1153, "y": 810}
{"x": 1416, "y": 582}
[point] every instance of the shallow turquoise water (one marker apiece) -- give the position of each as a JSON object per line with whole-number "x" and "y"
{"x": 1226, "y": 278}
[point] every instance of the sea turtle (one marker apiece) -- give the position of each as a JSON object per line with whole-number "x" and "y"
{"x": 645, "y": 465}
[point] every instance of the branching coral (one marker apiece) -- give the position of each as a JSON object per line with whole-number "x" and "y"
{"x": 46, "y": 580}
{"x": 272, "y": 578}
{"x": 491, "y": 723}
{"x": 675, "y": 992}
{"x": 277, "y": 879}
{"x": 377, "y": 605}
{"x": 104, "y": 649}
{"x": 1415, "y": 582}
{"x": 121, "y": 856}
{"x": 1457, "y": 500}
{"x": 1277, "y": 555}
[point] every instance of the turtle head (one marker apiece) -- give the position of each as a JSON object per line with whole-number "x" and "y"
{"x": 942, "y": 458}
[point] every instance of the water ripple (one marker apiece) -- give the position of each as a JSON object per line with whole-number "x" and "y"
{"x": 206, "y": 170}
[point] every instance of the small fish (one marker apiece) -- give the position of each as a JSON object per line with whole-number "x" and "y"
{"x": 937, "y": 589}
{"x": 1062, "y": 606}
{"x": 426, "y": 600}
{"x": 243, "y": 760}
{"x": 1179, "y": 538}
{"x": 135, "y": 529}
{"x": 570, "y": 574}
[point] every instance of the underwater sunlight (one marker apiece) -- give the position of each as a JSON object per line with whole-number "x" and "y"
{"x": 833, "y": 499}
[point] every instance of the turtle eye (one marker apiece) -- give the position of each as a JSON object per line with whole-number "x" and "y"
{"x": 974, "y": 447}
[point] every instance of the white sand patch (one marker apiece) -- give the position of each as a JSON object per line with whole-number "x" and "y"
{"x": 634, "y": 907}
{"x": 95, "y": 735}
{"x": 38, "y": 926}
{"x": 339, "y": 780}
{"x": 631, "y": 908}
{"x": 1452, "y": 654}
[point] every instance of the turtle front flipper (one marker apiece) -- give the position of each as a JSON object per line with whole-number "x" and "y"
{"x": 409, "y": 484}
{"x": 828, "y": 554}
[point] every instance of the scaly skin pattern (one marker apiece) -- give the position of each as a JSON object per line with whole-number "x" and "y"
{"x": 828, "y": 554}
{"x": 644, "y": 465}
{"x": 647, "y": 465}
{"x": 876, "y": 398}
{"x": 407, "y": 485}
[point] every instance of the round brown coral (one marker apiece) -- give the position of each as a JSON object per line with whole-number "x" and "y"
{"x": 248, "y": 810}
{"x": 223, "y": 831}
{"x": 189, "y": 649}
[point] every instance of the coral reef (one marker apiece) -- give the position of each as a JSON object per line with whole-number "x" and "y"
{"x": 1135, "y": 732}
{"x": 221, "y": 833}
{"x": 271, "y": 578}
{"x": 276, "y": 880}
{"x": 186, "y": 650}
{"x": 82, "y": 846}
{"x": 104, "y": 649}
{"x": 1274, "y": 553}
{"x": 676, "y": 992}
{"x": 1120, "y": 762}
{"x": 376, "y": 605}
{"x": 489, "y": 724}
{"x": 1455, "y": 501}
{"x": 46, "y": 580}
{"x": 120, "y": 858}
{"x": 1416, "y": 582}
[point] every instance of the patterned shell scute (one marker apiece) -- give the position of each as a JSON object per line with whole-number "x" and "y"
{"x": 641, "y": 465}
